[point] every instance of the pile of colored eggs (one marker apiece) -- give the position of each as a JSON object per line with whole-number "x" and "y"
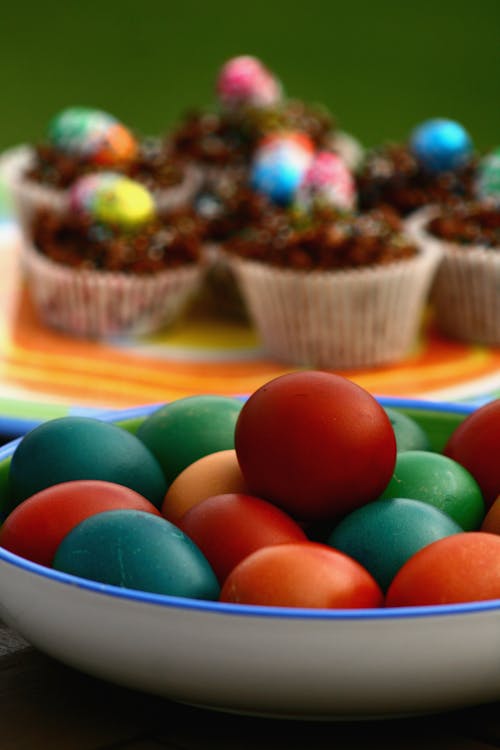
{"x": 112, "y": 199}
{"x": 93, "y": 135}
{"x": 308, "y": 494}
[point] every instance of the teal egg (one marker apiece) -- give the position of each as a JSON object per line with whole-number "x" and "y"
{"x": 185, "y": 430}
{"x": 410, "y": 436}
{"x": 79, "y": 130}
{"x": 384, "y": 534}
{"x": 440, "y": 481}
{"x": 136, "y": 550}
{"x": 68, "y": 448}
{"x": 488, "y": 176}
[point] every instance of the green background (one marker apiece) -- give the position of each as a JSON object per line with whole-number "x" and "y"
{"x": 380, "y": 67}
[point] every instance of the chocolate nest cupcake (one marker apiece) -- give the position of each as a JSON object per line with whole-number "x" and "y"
{"x": 83, "y": 141}
{"x": 465, "y": 293}
{"x": 435, "y": 167}
{"x": 110, "y": 264}
{"x": 333, "y": 290}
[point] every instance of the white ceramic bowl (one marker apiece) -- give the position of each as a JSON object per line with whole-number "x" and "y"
{"x": 302, "y": 663}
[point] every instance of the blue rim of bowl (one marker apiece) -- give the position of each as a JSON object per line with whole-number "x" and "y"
{"x": 255, "y": 611}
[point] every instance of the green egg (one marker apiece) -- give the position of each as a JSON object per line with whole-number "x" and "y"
{"x": 440, "y": 481}
{"x": 137, "y": 550}
{"x": 185, "y": 430}
{"x": 409, "y": 434}
{"x": 68, "y": 448}
{"x": 384, "y": 534}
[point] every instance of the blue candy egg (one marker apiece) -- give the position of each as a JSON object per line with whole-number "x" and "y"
{"x": 441, "y": 145}
{"x": 279, "y": 167}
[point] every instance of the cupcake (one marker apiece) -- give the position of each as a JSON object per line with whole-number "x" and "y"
{"x": 81, "y": 141}
{"x": 466, "y": 290}
{"x": 282, "y": 171}
{"x": 110, "y": 264}
{"x": 333, "y": 290}
{"x": 435, "y": 166}
{"x": 250, "y": 105}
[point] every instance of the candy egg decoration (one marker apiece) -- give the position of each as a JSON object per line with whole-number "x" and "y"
{"x": 279, "y": 164}
{"x": 488, "y": 177}
{"x": 112, "y": 200}
{"x": 244, "y": 82}
{"x": 326, "y": 183}
{"x": 441, "y": 145}
{"x": 93, "y": 135}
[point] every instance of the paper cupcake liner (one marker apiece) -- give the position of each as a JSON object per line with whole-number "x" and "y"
{"x": 466, "y": 290}
{"x": 27, "y": 195}
{"x": 97, "y": 304}
{"x": 337, "y": 319}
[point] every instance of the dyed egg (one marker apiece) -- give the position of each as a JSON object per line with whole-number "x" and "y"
{"x": 93, "y": 134}
{"x": 384, "y": 534}
{"x": 183, "y": 431}
{"x": 124, "y": 203}
{"x": 214, "y": 474}
{"x": 279, "y": 166}
{"x": 69, "y": 448}
{"x": 488, "y": 176}
{"x": 491, "y": 521}
{"x": 137, "y": 550}
{"x": 112, "y": 199}
{"x": 327, "y": 182}
{"x": 441, "y": 145}
{"x": 82, "y": 195}
{"x": 57, "y": 510}
{"x": 244, "y": 82}
{"x": 440, "y": 481}
{"x": 409, "y": 435}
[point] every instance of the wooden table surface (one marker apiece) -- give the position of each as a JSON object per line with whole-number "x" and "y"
{"x": 45, "y": 705}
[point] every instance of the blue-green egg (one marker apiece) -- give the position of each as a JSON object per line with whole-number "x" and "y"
{"x": 69, "y": 448}
{"x": 384, "y": 534}
{"x": 136, "y": 550}
{"x": 185, "y": 430}
{"x": 410, "y": 436}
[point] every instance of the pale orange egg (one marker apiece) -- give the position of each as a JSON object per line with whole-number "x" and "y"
{"x": 214, "y": 474}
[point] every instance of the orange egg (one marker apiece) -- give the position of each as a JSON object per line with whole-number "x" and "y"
{"x": 118, "y": 146}
{"x": 491, "y": 521}
{"x": 214, "y": 474}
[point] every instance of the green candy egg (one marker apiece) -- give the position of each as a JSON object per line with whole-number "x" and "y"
{"x": 409, "y": 435}
{"x": 488, "y": 176}
{"x": 68, "y": 448}
{"x": 136, "y": 550}
{"x": 76, "y": 129}
{"x": 185, "y": 430}
{"x": 384, "y": 534}
{"x": 440, "y": 481}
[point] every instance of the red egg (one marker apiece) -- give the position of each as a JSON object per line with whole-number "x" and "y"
{"x": 36, "y": 527}
{"x": 459, "y": 568}
{"x": 227, "y": 528}
{"x": 475, "y": 444}
{"x": 315, "y": 444}
{"x": 306, "y": 574}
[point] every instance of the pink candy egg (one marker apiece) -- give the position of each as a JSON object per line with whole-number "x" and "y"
{"x": 245, "y": 82}
{"x": 327, "y": 181}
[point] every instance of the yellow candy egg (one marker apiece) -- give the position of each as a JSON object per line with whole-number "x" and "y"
{"x": 125, "y": 203}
